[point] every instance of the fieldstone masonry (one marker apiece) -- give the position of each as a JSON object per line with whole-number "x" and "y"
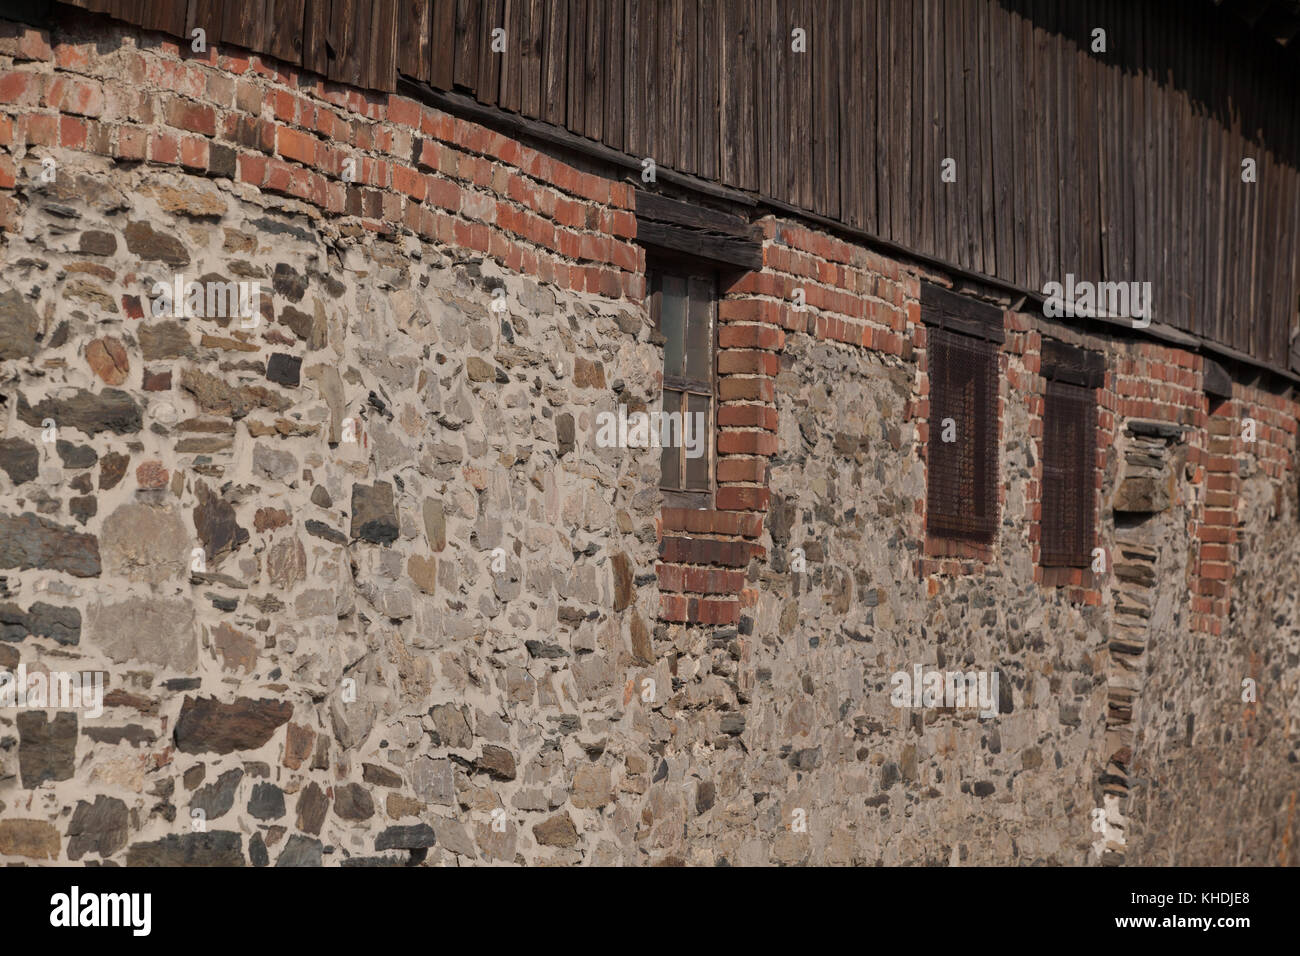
{"x": 363, "y": 589}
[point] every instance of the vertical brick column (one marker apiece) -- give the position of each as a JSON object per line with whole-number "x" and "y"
{"x": 1217, "y": 534}
{"x": 703, "y": 553}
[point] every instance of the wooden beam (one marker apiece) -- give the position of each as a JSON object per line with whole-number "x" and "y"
{"x": 697, "y": 230}
{"x": 1216, "y": 379}
{"x": 959, "y": 313}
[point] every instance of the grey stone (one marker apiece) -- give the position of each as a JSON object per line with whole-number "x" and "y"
{"x": 19, "y": 460}
{"x": 452, "y": 727}
{"x": 111, "y": 410}
{"x": 216, "y": 799}
{"x": 28, "y": 541}
{"x": 433, "y": 781}
{"x": 415, "y": 837}
{"x": 153, "y": 630}
{"x": 300, "y": 851}
{"x": 99, "y": 828}
{"x": 19, "y": 326}
{"x": 266, "y": 802}
{"x": 284, "y": 369}
{"x": 75, "y": 456}
{"x": 274, "y": 463}
{"x": 47, "y": 749}
{"x": 352, "y": 802}
{"x": 144, "y": 542}
{"x": 374, "y": 516}
{"x": 213, "y": 848}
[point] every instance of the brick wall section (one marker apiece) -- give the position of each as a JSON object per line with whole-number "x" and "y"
{"x": 1219, "y": 528}
{"x": 850, "y": 296}
{"x": 1082, "y": 585}
{"x": 247, "y": 118}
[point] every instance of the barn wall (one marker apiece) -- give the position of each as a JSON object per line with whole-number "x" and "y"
{"x": 363, "y": 584}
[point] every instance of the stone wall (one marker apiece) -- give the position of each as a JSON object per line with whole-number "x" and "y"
{"x": 365, "y": 589}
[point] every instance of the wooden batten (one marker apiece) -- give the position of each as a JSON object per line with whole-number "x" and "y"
{"x": 697, "y": 230}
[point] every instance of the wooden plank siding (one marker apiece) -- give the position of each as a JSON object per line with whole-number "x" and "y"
{"x": 1123, "y": 165}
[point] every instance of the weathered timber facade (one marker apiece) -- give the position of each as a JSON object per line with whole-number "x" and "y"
{"x": 1123, "y": 165}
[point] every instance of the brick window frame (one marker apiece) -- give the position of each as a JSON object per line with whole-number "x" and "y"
{"x": 700, "y": 288}
{"x": 1069, "y": 494}
{"x": 962, "y": 506}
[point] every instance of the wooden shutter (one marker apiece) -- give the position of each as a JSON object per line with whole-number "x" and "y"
{"x": 1068, "y": 525}
{"x": 962, "y": 475}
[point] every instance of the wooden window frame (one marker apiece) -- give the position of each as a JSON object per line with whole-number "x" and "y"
{"x": 958, "y": 323}
{"x": 678, "y": 267}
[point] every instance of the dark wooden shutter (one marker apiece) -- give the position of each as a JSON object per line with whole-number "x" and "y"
{"x": 962, "y": 475}
{"x": 1068, "y": 524}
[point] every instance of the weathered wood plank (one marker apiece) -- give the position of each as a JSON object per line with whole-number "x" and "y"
{"x": 442, "y": 44}
{"x": 468, "y": 18}
{"x": 615, "y": 69}
{"x": 491, "y": 17}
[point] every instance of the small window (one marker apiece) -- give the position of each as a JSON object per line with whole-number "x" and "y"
{"x": 963, "y": 335}
{"x": 683, "y": 309}
{"x": 1068, "y": 525}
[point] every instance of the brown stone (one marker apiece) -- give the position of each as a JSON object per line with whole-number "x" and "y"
{"x": 556, "y": 831}
{"x": 423, "y": 572}
{"x": 588, "y": 374}
{"x": 313, "y": 805}
{"x": 268, "y": 519}
{"x": 107, "y": 358}
{"x": 111, "y": 469}
{"x": 164, "y": 340}
{"x": 374, "y": 516}
{"x": 479, "y": 370}
{"x": 286, "y": 563}
{"x": 497, "y": 762}
{"x": 218, "y": 397}
{"x": 34, "y": 839}
{"x": 238, "y": 651}
{"x": 188, "y": 200}
{"x": 642, "y": 646}
{"x": 591, "y": 787}
{"x": 623, "y": 592}
{"x": 398, "y": 806}
{"x": 298, "y": 743}
{"x": 160, "y": 381}
{"x": 149, "y": 243}
{"x": 206, "y": 725}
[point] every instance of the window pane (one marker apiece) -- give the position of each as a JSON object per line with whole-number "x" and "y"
{"x": 698, "y": 429}
{"x": 699, "y": 342}
{"x": 670, "y": 461}
{"x": 672, "y": 323}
